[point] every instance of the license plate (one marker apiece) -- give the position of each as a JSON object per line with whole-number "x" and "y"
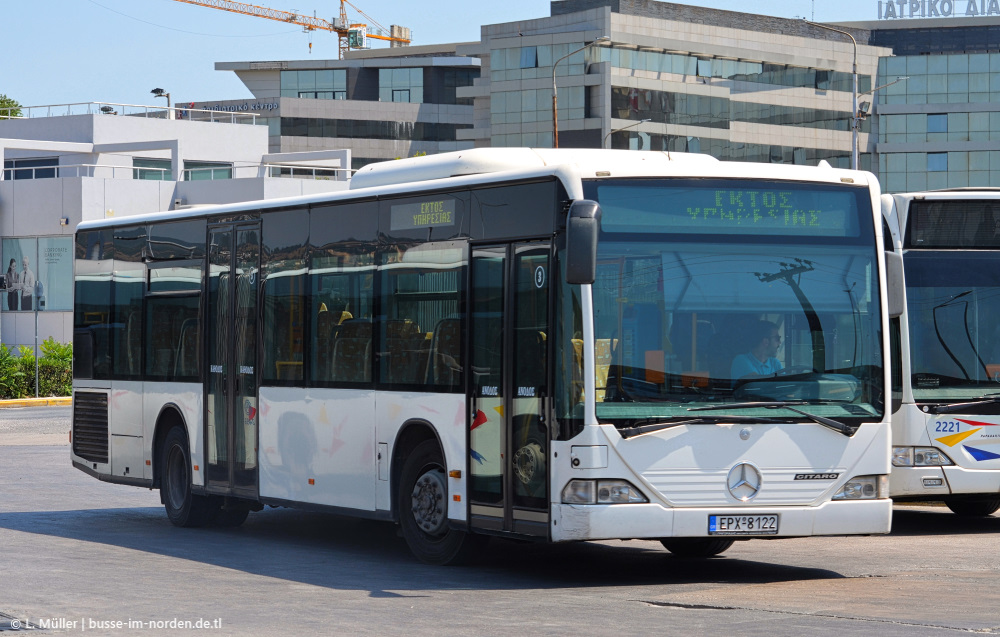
{"x": 743, "y": 524}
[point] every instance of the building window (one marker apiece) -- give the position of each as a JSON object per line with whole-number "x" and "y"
{"x": 937, "y": 123}
{"x": 937, "y": 162}
{"x": 325, "y": 84}
{"x": 529, "y": 57}
{"x": 207, "y": 170}
{"x": 392, "y": 80}
{"x": 43, "y": 168}
{"x": 151, "y": 169}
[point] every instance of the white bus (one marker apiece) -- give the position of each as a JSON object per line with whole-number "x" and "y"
{"x": 534, "y": 344}
{"x": 946, "y": 420}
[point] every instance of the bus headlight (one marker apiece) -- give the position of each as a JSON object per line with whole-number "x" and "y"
{"x": 864, "y": 488}
{"x": 601, "y": 492}
{"x": 919, "y": 457}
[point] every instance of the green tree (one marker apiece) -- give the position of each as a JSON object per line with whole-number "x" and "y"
{"x": 9, "y": 107}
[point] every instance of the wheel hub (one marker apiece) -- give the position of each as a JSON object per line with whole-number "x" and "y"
{"x": 428, "y": 502}
{"x": 527, "y": 462}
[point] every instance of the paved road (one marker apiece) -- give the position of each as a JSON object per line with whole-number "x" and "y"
{"x": 73, "y": 549}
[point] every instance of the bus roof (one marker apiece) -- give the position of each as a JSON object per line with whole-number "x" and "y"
{"x": 494, "y": 165}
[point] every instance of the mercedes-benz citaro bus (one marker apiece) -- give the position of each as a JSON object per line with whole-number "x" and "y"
{"x": 552, "y": 345}
{"x": 946, "y": 420}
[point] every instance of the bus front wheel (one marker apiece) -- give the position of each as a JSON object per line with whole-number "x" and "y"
{"x": 423, "y": 510}
{"x": 695, "y": 546}
{"x": 183, "y": 507}
{"x": 974, "y": 508}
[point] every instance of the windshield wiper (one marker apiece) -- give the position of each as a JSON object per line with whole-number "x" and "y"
{"x": 639, "y": 430}
{"x": 829, "y": 423}
{"x": 989, "y": 399}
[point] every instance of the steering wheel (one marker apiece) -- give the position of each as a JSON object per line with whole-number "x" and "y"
{"x": 795, "y": 370}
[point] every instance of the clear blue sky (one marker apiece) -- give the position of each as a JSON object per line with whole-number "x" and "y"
{"x": 64, "y": 51}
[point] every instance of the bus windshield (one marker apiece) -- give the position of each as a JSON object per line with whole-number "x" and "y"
{"x": 725, "y": 292}
{"x": 953, "y": 299}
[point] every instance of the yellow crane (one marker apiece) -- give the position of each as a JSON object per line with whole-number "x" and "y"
{"x": 350, "y": 35}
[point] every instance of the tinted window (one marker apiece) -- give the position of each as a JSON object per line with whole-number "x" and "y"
{"x": 285, "y": 239}
{"x": 342, "y": 272}
{"x": 93, "y": 309}
{"x": 420, "y": 323}
{"x": 178, "y": 240}
{"x": 129, "y": 288}
{"x": 506, "y": 212}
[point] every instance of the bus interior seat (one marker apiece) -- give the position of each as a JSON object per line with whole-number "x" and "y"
{"x": 352, "y": 352}
{"x": 403, "y": 351}
{"x": 326, "y": 333}
{"x": 186, "y": 362}
{"x": 446, "y": 353}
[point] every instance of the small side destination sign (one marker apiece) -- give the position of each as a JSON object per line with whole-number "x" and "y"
{"x": 427, "y": 214}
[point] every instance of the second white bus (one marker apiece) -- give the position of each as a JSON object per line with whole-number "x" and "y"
{"x": 946, "y": 425}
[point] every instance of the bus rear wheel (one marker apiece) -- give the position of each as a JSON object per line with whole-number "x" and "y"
{"x": 423, "y": 510}
{"x": 974, "y": 508}
{"x": 695, "y": 546}
{"x": 183, "y": 507}
{"x": 232, "y": 514}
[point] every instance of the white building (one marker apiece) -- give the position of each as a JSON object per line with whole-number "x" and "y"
{"x": 70, "y": 163}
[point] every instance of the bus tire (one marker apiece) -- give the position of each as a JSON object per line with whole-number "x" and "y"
{"x": 184, "y": 508}
{"x": 232, "y": 514}
{"x": 423, "y": 510}
{"x": 695, "y": 546}
{"x": 974, "y": 508}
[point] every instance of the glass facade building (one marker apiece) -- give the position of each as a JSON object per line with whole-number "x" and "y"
{"x": 940, "y": 127}
{"x": 737, "y": 86}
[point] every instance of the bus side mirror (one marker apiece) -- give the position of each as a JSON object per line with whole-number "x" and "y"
{"x": 896, "y": 290}
{"x": 582, "y": 227}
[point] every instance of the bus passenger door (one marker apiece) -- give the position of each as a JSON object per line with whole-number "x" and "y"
{"x": 508, "y": 428}
{"x": 231, "y": 323}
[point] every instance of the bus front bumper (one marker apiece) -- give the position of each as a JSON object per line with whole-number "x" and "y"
{"x": 573, "y": 522}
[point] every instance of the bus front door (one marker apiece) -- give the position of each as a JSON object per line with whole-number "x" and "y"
{"x": 508, "y": 431}
{"x": 231, "y": 329}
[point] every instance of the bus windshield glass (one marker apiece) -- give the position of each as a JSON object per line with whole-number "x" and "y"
{"x": 713, "y": 292}
{"x": 952, "y": 300}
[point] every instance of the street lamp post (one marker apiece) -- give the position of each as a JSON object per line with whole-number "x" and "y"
{"x": 555, "y": 108}
{"x": 854, "y": 92}
{"x": 618, "y": 130}
{"x": 159, "y": 92}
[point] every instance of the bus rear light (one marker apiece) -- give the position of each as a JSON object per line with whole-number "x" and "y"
{"x": 919, "y": 457}
{"x": 601, "y": 492}
{"x": 864, "y": 488}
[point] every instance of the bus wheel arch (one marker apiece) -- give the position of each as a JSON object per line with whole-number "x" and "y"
{"x": 169, "y": 418}
{"x": 420, "y": 492}
{"x": 410, "y": 436}
{"x": 184, "y": 507}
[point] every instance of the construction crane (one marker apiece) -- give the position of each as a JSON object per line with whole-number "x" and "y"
{"x": 350, "y": 35}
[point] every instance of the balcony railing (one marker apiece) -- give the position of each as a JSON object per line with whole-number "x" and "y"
{"x": 108, "y": 171}
{"x": 128, "y": 110}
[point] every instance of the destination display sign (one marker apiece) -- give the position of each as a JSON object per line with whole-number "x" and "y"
{"x": 426, "y": 214}
{"x": 730, "y": 209}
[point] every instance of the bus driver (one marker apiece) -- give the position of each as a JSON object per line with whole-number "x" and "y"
{"x": 760, "y": 360}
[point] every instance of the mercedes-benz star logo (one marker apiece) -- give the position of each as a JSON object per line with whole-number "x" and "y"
{"x": 744, "y": 481}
